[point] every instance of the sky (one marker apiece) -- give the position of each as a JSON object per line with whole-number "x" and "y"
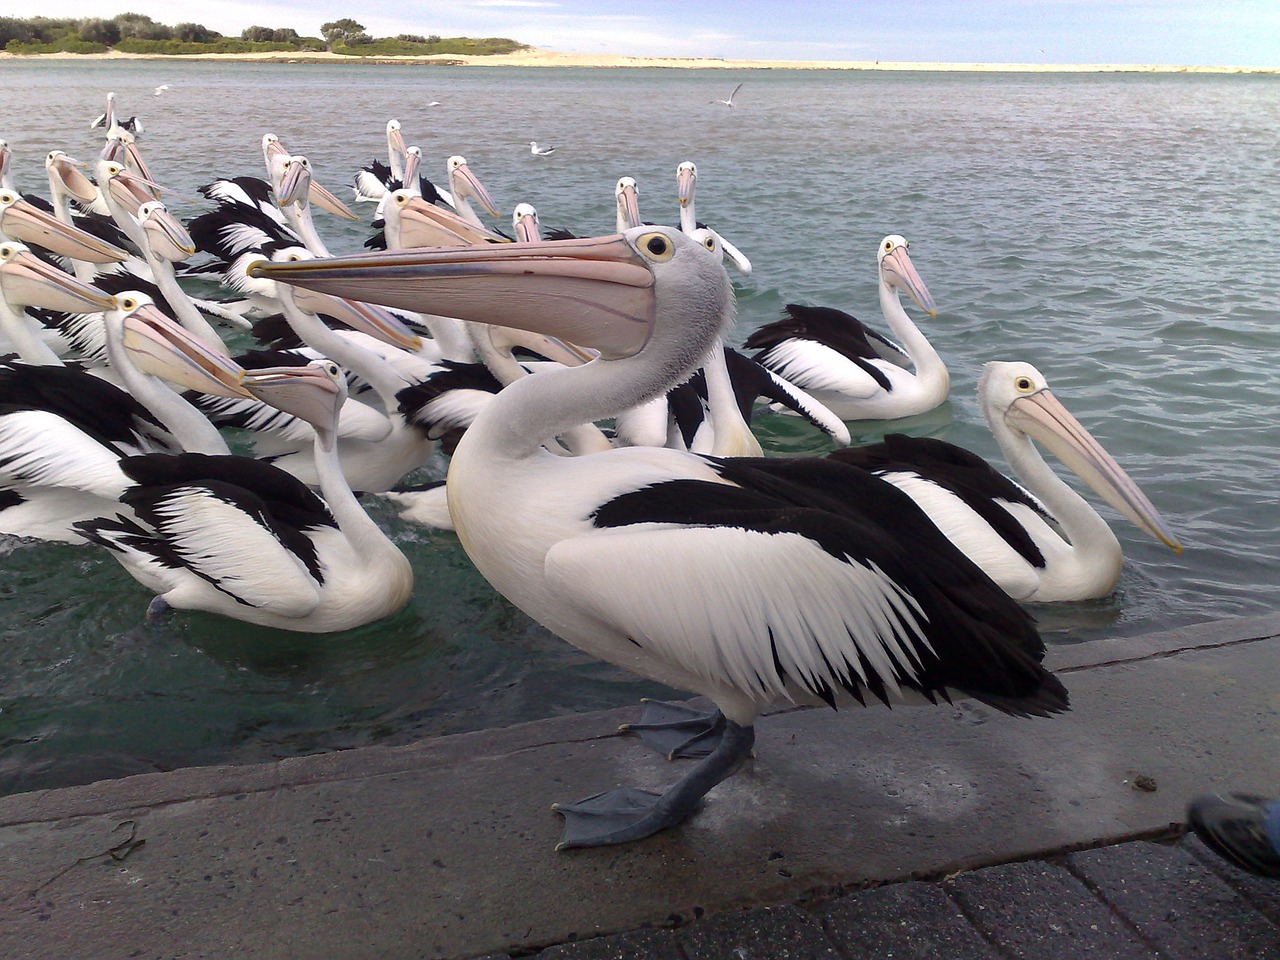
{"x": 1189, "y": 32}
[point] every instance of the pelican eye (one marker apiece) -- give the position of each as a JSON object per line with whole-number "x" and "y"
{"x": 128, "y": 303}
{"x": 8, "y": 251}
{"x": 710, "y": 244}
{"x": 657, "y": 246}
{"x": 294, "y": 258}
{"x": 1024, "y": 384}
{"x": 7, "y": 198}
{"x": 888, "y": 246}
{"x": 332, "y": 369}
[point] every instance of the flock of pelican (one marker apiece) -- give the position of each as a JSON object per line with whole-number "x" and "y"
{"x": 603, "y": 475}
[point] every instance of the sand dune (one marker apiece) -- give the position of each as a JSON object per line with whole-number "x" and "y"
{"x": 550, "y": 58}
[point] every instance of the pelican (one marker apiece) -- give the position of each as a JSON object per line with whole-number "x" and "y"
{"x": 108, "y": 121}
{"x": 749, "y": 581}
{"x": 6, "y": 158}
{"x": 1049, "y": 546}
{"x": 686, "y": 181}
{"x": 244, "y": 539}
{"x": 538, "y": 151}
{"x": 64, "y": 432}
{"x": 371, "y": 181}
{"x": 465, "y": 186}
{"x": 729, "y": 103}
{"x": 850, "y": 376}
{"x": 23, "y": 222}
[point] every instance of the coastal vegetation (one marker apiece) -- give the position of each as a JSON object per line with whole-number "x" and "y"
{"x": 137, "y": 33}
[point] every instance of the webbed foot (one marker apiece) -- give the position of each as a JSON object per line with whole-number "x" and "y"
{"x": 156, "y": 610}
{"x": 677, "y": 730}
{"x": 628, "y": 813}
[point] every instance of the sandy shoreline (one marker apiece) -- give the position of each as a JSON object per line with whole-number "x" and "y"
{"x": 550, "y": 58}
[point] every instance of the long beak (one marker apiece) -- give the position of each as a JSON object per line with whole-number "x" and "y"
{"x": 1042, "y": 417}
{"x": 73, "y": 181}
{"x": 168, "y": 238}
{"x": 395, "y": 143}
{"x": 629, "y": 206}
{"x": 27, "y": 281}
{"x": 132, "y": 190}
{"x": 160, "y": 347}
{"x": 32, "y": 226}
{"x": 295, "y": 183}
{"x": 133, "y": 160}
{"x": 326, "y": 201}
{"x": 596, "y": 292}
{"x": 424, "y": 224}
{"x": 376, "y": 321}
{"x": 902, "y": 273}
{"x": 475, "y": 189}
{"x": 686, "y": 179}
{"x": 507, "y": 338}
{"x": 306, "y": 392}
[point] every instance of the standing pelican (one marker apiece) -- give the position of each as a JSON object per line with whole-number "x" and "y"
{"x": 1046, "y": 546}
{"x": 747, "y": 581}
{"x": 850, "y": 375}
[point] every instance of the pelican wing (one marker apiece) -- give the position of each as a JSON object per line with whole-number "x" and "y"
{"x": 763, "y": 589}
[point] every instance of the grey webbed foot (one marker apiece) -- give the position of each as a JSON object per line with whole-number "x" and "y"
{"x": 156, "y": 610}
{"x": 627, "y": 813}
{"x": 677, "y": 730}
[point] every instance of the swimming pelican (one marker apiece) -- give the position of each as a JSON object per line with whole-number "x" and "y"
{"x": 747, "y": 581}
{"x": 538, "y": 151}
{"x": 244, "y": 539}
{"x": 465, "y": 186}
{"x": 63, "y": 432}
{"x": 6, "y": 158}
{"x": 686, "y": 181}
{"x": 108, "y": 121}
{"x": 729, "y": 103}
{"x": 1046, "y": 546}
{"x": 849, "y": 375}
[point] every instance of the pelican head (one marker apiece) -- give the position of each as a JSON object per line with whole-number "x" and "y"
{"x": 524, "y": 221}
{"x": 158, "y": 346}
{"x": 294, "y": 185}
{"x": 1019, "y": 394}
{"x": 627, "y": 197}
{"x": 166, "y": 236}
{"x": 599, "y": 292}
{"x": 465, "y": 185}
{"x": 6, "y": 157}
{"x": 64, "y": 171}
{"x": 314, "y": 393}
{"x": 27, "y": 281}
{"x": 21, "y": 221}
{"x": 899, "y": 273}
{"x": 686, "y": 180}
{"x": 395, "y": 139}
{"x": 127, "y": 189}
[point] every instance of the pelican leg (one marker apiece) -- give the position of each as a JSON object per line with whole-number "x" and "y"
{"x": 676, "y": 730}
{"x": 627, "y": 813}
{"x": 157, "y": 609}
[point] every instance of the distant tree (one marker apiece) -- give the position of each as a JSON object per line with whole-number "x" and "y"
{"x": 359, "y": 39}
{"x": 97, "y": 30}
{"x": 194, "y": 33}
{"x": 336, "y": 31}
{"x": 11, "y": 28}
{"x": 260, "y": 34}
{"x": 434, "y": 38}
{"x": 141, "y": 27}
{"x": 285, "y": 35}
{"x": 411, "y": 38}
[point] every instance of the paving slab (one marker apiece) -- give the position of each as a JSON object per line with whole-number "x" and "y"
{"x": 1039, "y": 911}
{"x": 1180, "y": 906}
{"x": 911, "y": 919}
{"x": 445, "y": 848}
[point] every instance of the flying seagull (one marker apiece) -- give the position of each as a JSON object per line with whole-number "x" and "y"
{"x": 538, "y": 151}
{"x": 729, "y": 103}
{"x": 160, "y": 89}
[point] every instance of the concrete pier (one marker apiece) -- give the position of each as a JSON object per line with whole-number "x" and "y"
{"x": 975, "y": 833}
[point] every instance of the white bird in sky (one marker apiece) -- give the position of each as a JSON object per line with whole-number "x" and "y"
{"x": 160, "y": 89}
{"x": 729, "y": 103}
{"x": 538, "y": 151}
